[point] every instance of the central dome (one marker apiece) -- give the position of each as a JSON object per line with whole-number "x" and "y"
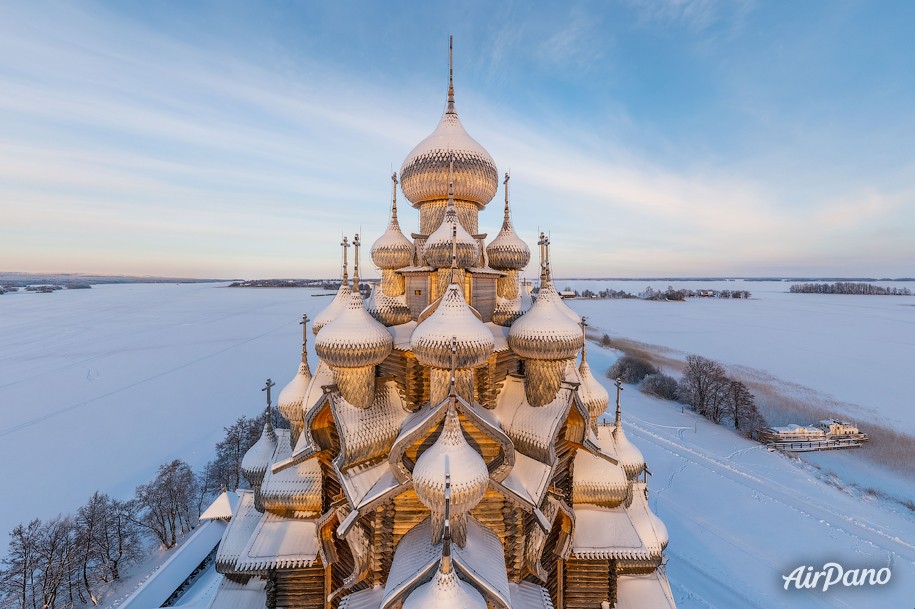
{"x": 424, "y": 175}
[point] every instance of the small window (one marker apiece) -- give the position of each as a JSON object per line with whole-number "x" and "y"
{"x": 417, "y": 292}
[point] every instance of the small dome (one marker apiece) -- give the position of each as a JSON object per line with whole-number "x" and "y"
{"x": 550, "y": 290}
{"x": 450, "y": 455}
{"x": 389, "y": 310}
{"x": 545, "y": 332}
{"x": 630, "y": 456}
{"x": 445, "y": 591}
{"x": 392, "y": 250}
{"x": 353, "y": 338}
{"x": 507, "y": 251}
{"x": 438, "y": 248}
{"x": 331, "y": 311}
{"x": 452, "y": 320}
{"x": 290, "y": 401}
{"x": 424, "y": 175}
{"x": 256, "y": 461}
{"x": 592, "y": 393}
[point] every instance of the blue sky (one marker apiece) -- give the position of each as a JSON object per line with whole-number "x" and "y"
{"x": 229, "y": 139}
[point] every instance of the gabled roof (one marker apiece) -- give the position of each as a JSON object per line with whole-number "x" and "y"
{"x": 222, "y": 508}
{"x": 651, "y": 591}
{"x": 235, "y": 595}
{"x": 627, "y": 533}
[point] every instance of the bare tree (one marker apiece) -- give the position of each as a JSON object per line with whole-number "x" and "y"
{"x": 20, "y": 565}
{"x": 165, "y": 505}
{"x": 704, "y": 386}
{"x": 631, "y": 369}
{"x": 659, "y": 385}
{"x": 741, "y": 406}
{"x": 240, "y": 436}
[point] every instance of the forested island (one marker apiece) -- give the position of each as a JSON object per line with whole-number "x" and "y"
{"x": 847, "y": 287}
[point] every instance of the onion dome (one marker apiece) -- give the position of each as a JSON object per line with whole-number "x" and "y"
{"x": 340, "y": 300}
{"x": 452, "y": 323}
{"x": 424, "y": 175}
{"x": 451, "y": 239}
{"x": 389, "y": 310}
{"x": 560, "y": 304}
{"x": 392, "y": 250}
{"x": 354, "y": 338}
{"x": 630, "y": 457}
{"x": 592, "y": 393}
{"x": 507, "y": 251}
{"x": 450, "y": 458}
{"x": 293, "y": 394}
{"x": 256, "y": 461}
{"x": 545, "y": 332}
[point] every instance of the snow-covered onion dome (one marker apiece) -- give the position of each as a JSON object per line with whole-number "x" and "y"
{"x": 451, "y": 237}
{"x": 352, "y": 344}
{"x": 630, "y": 457}
{"x": 545, "y": 332}
{"x": 549, "y": 290}
{"x": 293, "y": 394}
{"x": 424, "y": 175}
{"x": 507, "y": 252}
{"x": 392, "y": 250}
{"x": 256, "y": 461}
{"x": 452, "y": 456}
{"x": 453, "y": 322}
{"x": 340, "y": 300}
{"x": 593, "y": 395}
{"x": 389, "y": 310}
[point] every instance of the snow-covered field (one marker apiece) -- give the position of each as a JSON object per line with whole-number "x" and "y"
{"x": 98, "y": 387}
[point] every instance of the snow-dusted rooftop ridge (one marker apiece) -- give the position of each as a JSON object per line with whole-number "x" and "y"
{"x": 222, "y": 508}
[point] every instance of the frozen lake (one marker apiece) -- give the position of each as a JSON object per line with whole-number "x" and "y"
{"x": 98, "y": 387}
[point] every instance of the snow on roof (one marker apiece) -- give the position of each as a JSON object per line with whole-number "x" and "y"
{"x": 364, "y": 483}
{"x": 615, "y": 443}
{"x": 238, "y": 532}
{"x": 632, "y": 533}
{"x": 650, "y": 591}
{"x": 367, "y": 434}
{"x": 234, "y": 595}
{"x": 481, "y": 562}
{"x": 363, "y": 599}
{"x": 172, "y": 573}
{"x": 596, "y": 480}
{"x": 529, "y": 479}
{"x": 403, "y": 332}
{"x": 453, "y": 321}
{"x": 296, "y": 488}
{"x": 222, "y": 508}
{"x": 527, "y": 595}
{"x": 547, "y": 331}
{"x": 532, "y": 429}
{"x": 279, "y": 543}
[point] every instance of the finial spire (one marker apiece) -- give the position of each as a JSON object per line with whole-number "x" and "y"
{"x": 394, "y": 197}
{"x": 304, "y": 324}
{"x": 345, "y": 245}
{"x": 453, "y": 378}
{"x": 544, "y": 244}
{"x": 356, "y": 244}
{"x": 451, "y": 74}
{"x": 445, "y": 566}
{"x": 268, "y": 418}
{"x": 619, "y": 406}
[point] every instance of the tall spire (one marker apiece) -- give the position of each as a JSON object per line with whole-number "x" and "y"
{"x": 394, "y": 198}
{"x": 345, "y": 245}
{"x": 451, "y": 75}
{"x": 619, "y": 407}
{"x": 356, "y": 244}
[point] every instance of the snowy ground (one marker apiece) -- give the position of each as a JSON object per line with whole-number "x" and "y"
{"x": 98, "y": 387}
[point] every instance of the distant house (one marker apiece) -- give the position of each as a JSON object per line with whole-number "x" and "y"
{"x": 822, "y": 435}
{"x": 567, "y": 294}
